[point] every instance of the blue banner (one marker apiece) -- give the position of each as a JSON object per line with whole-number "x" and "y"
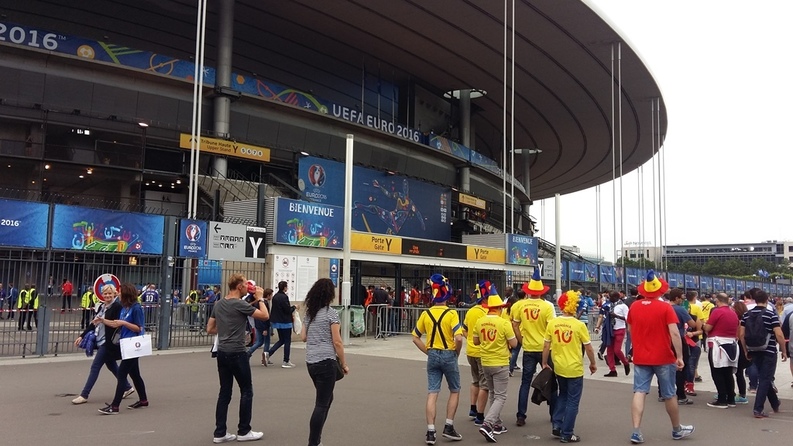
{"x": 591, "y": 272}
{"x": 210, "y": 273}
{"x": 729, "y": 285}
{"x": 334, "y": 272}
{"x": 692, "y": 281}
{"x": 24, "y": 224}
{"x": 192, "y": 238}
{"x": 608, "y": 274}
{"x": 86, "y": 229}
{"x": 740, "y": 286}
{"x": 521, "y": 250}
{"x": 633, "y": 276}
{"x": 577, "y": 273}
{"x": 766, "y": 287}
{"x": 322, "y": 180}
{"x": 565, "y": 270}
{"x": 675, "y": 280}
{"x": 397, "y": 205}
{"x": 706, "y": 283}
{"x": 308, "y": 224}
{"x": 718, "y": 284}
{"x": 619, "y": 275}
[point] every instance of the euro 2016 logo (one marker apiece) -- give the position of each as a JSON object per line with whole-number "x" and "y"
{"x": 137, "y": 345}
{"x": 192, "y": 232}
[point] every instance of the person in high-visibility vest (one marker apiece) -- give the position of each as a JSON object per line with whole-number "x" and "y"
{"x": 28, "y": 305}
{"x": 87, "y": 304}
{"x": 192, "y": 300}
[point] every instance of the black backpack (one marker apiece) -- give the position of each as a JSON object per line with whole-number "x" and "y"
{"x": 755, "y": 335}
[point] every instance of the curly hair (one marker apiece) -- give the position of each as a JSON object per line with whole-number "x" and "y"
{"x": 320, "y": 295}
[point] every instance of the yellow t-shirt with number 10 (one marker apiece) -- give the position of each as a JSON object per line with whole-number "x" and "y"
{"x": 566, "y": 335}
{"x": 493, "y": 332}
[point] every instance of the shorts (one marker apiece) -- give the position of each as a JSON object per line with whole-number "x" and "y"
{"x": 442, "y": 363}
{"x": 643, "y": 377}
{"x": 477, "y": 373}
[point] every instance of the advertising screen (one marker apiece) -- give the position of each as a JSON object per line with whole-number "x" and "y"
{"x": 87, "y": 229}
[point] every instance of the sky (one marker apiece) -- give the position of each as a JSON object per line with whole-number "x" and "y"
{"x": 724, "y": 69}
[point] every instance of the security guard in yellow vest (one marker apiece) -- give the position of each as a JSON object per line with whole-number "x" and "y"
{"x": 28, "y": 305}
{"x": 192, "y": 301}
{"x": 87, "y": 304}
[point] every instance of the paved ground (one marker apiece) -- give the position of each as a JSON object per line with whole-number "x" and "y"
{"x": 380, "y": 403}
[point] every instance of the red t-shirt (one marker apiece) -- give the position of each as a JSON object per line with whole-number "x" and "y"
{"x": 724, "y": 321}
{"x": 67, "y": 287}
{"x": 649, "y": 320}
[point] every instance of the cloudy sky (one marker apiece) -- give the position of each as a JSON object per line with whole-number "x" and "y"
{"x": 725, "y": 72}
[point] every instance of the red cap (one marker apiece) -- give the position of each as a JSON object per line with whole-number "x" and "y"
{"x": 251, "y": 286}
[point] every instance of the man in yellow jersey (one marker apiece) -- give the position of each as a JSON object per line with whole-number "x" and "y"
{"x": 564, "y": 336}
{"x": 529, "y": 320}
{"x": 495, "y": 337}
{"x": 478, "y": 383}
{"x": 444, "y": 342}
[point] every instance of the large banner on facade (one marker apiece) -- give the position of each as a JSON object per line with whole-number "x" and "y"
{"x": 86, "y": 229}
{"x": 718, "y": 284}
{"x": 633, "y": 276}
{"x": 608, "y": 274}
{"x": 382, "y": 203}
{"x": 521, "y": 249}
{"x": 308, "y": 224}
{"x": 24, "y": 224}
{"x": 729, "y": 285}
{"x": 692, "y": 281}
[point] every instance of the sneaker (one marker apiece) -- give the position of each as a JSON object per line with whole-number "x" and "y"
{"x": 287, "y": 365}
{"x": 717, "y": 405}
{"x": 450, "y": 433}
{"x": 556, "y": 433}
{"x": 225, "y": 439}
{"x": 517, "y": 367}
{"x": 685, "y": 402}
{"x": 511, "y": 374}
{"x": 760, "y": 415}
{"x": 521, "y": 421}
{"x": 741, "y": 400}
{"x": 472, "y": 414}
{"x": 430, "y": 437}
{"x": 611, "y": 374}
{"x": 128, "y": 392}
{"x": 571, "y": 439}
{"x": 80, "y": 400}
{"x": 698, "y": 379}
{"x": 637, "y": 438}
{"x": 266, "y": 359}
{"x": 109, "y": 410}
{"x": 684, "y": 432}
{"x": 600, "y": 356}
{"x": 661, "y": 400}
{"x": 250, "y": 436}
{"x": 627, "y": 371}
{"x": 499, "y": 429}
{"x": 138, "y": 404}
{"x": 479, "y": 421}
{"x": 487, "y": 432}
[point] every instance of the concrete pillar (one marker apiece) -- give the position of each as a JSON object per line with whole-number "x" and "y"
{"x": 223, "y": 77}
{"x": 465, "y": 136}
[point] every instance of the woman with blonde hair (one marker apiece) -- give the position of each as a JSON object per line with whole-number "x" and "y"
{"x": 322, "y": 335}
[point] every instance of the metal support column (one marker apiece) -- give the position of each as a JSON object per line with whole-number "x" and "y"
{"x": 166, "y": 282}
{"x": 223, "y": 77}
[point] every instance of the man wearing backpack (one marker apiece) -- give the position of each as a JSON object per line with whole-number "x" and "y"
{"x": 760, "y": 333}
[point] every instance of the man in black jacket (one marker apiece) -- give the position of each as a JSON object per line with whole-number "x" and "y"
{"x": 281, "y": 320}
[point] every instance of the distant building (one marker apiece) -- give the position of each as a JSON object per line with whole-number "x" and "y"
{"x": 640, "y": 250}
{"x": 772, "y": 251}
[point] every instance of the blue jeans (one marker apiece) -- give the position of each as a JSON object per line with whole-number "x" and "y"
{"x": 530, "y": 361}
{"x": 442, "y": 363}
{"x": 513, "y": 358}
{"x": 766, "y": 368}
{"x": 751, "y": 371}
{"x": 643, "y": 377}
{"x": 323, "y": 375}
{"x": 262, "y": 339}
{"x": 693, "y": 361}
{"x": 285, "y": 339}
{"x": 566, "y": 409}
{"x": 234, "y": 366}
{"x": 628, "y": 344}
{"x": 100, "y": 359}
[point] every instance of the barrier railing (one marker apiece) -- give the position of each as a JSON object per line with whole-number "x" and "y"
{"x": 386, "y": 320}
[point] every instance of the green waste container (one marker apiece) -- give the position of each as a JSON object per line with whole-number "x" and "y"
{"x": 357, "y": 318}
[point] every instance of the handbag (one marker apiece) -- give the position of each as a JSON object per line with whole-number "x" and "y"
{"x": 297, "y": 324}
{"x": 135, "y": 347}
{"x": 339, "y": 369}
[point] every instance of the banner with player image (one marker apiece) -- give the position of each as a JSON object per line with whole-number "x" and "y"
{"x": 86, "y": 229}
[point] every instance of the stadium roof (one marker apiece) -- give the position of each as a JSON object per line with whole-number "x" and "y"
{"x": 563, "y": 57}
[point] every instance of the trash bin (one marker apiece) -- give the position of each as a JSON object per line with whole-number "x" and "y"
{"x": 357, "y": 320}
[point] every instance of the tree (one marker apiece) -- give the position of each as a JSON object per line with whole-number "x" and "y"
{"x": 735, "y": 267}
{"x": 713, "y": 267}
{"x": 688, "y": 267}
{"x": 760, "y": 264}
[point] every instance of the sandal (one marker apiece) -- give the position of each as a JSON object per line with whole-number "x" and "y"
{"x": 571, "y": 439}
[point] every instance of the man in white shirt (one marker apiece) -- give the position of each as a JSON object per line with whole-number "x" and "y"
{"x": 619, "y": 314}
